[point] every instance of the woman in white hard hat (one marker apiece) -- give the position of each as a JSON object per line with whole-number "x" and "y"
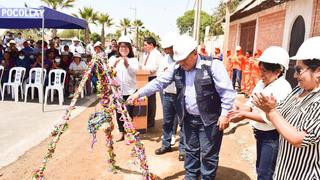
{"x": 297, "y": 119}
{"x": 126, "y": 66}
{"x": 273, "y": 62}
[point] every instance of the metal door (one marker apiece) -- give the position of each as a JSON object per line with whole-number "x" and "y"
{"x": 247, "y": 36}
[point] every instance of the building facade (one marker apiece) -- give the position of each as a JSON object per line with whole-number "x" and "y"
{"x": 258, "y": 24}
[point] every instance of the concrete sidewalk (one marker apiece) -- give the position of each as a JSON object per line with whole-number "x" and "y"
{"x": 24, "y": 125}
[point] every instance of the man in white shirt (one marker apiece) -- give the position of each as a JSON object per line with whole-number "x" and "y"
{"x": 169, "y": 97}
{"x": 76, "y": 47}
{"x": 19, "y": 41}
{"x": 151, "y": 64}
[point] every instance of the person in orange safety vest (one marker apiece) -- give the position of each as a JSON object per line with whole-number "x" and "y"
{"x": 237, "y": 66}
{"x": 255, "y": 70}
{"x": 246, "y": 73}
{"x": 229, "y": 64}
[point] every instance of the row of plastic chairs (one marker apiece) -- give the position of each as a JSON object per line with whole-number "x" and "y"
{"x": 16, "y": 77}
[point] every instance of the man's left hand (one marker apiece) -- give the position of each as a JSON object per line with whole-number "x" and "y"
{"x": 223, "y": 123}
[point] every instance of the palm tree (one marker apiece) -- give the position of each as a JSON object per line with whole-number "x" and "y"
{"x": 138, "y": 24}
{"x": 104, "y": 20}
{"x": 125, "y": 23}
{"x": 58, "y": 4}
{"x": 88, "y": 14}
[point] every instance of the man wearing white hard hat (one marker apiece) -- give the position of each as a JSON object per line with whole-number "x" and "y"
{"x": 169, "y": 97}
{"x": 151, "y": 64}
{"x": 205, "y": 96}
{"x": 76, "y": 47}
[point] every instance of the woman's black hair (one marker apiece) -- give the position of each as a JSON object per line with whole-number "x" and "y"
{"x": 312, "y": 64}
{"x": 130, "y": 55}
{"x": 272, "y": 67}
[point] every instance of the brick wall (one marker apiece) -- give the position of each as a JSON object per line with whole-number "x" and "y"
{"x": 270, "y": 30}
{"x": 232, "y": 38}
{"x": 315, "y": 23}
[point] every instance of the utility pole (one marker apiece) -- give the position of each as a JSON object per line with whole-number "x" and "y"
{"x": 226, "y": 32}
{"x": 135, "y": 20}
{"x": 196, "y": 25}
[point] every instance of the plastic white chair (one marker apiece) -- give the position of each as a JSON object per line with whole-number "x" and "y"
{"x": 59, "y": 76}
{"x": 17, "y": 82}
{"x": 35, "y": 82}
{"x": 1, "y": 74}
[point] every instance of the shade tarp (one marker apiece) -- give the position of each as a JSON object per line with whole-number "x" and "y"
{"x": 27, "y": 18}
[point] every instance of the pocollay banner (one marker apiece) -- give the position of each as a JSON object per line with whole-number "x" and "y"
{"x": 21, "y": 13}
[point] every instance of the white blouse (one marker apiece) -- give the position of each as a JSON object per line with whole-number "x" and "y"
{"x": 280, "y": 88}
{"x": 126, "y": 76}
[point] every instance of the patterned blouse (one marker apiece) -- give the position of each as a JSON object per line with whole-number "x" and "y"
{"x": 300, "y": 163}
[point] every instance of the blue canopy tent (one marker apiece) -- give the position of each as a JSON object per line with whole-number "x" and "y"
{"x": 42, "y": 17}
{"x": 27, "y": 18}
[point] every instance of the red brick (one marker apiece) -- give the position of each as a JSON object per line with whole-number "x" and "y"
{"x": 315, "y": 23}
{"x": 232, "y": 37}
{"x": 270, "y": 30}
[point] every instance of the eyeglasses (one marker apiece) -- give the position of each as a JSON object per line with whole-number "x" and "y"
{"x": 299, "y": 70}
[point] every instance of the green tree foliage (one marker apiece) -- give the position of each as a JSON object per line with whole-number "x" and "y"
{"x": 138, "y": 24}
{"x": 185, "y": 22}
{"x": 105, "y": 21}
{"x": 125, "y": 23}
{"x": 89, "y": 15}
{"x": 58, "y": 4}
{"x": 220, "y": 10}
{"x": 70, "y": 33}
{"x": 218, "y": 16}
{"x": 94, "y": 37}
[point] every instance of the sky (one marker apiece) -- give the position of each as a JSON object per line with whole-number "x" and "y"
{"x": 159, "y": 16}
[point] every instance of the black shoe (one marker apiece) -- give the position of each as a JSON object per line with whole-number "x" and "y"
{"x": 162, "y": 150}
{"x": 181, "y": 157}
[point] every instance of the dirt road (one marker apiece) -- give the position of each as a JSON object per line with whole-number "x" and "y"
{"x": 74, "y": 159}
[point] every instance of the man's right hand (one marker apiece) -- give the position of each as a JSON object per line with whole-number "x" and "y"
{"x": 131, "y": 99}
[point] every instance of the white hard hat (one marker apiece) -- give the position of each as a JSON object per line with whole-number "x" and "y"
{"x": 238, "y": 48}
{"x": 76, "y": 55}
{"x": 309, "y": 49}
{"x": 275, "y": 55}
{"x": 98, "y": 43}
{"x": 75, "y": 39}
{"x": 183, "y": 46}
{"x": 125, "y": 39}
{"x": 168, "y": 40}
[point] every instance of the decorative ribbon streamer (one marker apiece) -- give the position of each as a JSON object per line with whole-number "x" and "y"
{"x": 59, "y": 129}
{"x": 108, "y": 88}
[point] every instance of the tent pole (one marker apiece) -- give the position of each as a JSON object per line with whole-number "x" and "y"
{"x": 42, "y": 62}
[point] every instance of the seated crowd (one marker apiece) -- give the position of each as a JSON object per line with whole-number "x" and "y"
{"x": 25, "y": 53}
